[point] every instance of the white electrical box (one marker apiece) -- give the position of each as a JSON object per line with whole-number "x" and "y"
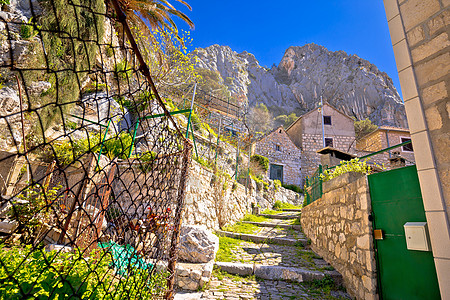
{"x": 416, "y": 234}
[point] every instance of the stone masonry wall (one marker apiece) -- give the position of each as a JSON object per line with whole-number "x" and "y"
{"x": 339, "y": 228}
{"x": 213, "y": 203}
{"x": 288, "y": 155}
{"x": 312, "y": 143}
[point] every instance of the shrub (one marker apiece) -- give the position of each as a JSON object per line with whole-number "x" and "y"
{"x": 123, "y": 70}
{"x": 259, "y": 164}
{"x": 293, "y": 187}
{"x": 277, "y": 184}
{"x": 53, "y": 275}
{"x": 27, "y": 30}
{"x": 353, "y": 165}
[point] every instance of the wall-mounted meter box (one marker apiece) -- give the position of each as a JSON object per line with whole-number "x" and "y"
{"x": 417, "y": 238}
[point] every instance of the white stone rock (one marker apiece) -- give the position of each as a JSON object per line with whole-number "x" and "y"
{"x": 197, "y": 244}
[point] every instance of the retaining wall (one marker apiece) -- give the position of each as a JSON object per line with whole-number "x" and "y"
{"x": 340, "y": 231}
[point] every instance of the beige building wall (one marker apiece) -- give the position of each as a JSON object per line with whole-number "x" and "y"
{"x": 420, "y": 37}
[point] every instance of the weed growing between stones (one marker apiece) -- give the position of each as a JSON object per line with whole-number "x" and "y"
{"x": 220, "y": 275}
{"x": 242, "y": 228}
{"x": 226, "y": 245}
{"x": 253, "y": 218}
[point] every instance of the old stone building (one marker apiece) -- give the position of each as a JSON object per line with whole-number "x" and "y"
{"x": 284, "y": 157}
{"x": 306, "y": 133}
{"x": 385, "y": 137}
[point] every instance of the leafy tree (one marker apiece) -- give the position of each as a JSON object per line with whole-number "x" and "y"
{"x": 258, "y": 120}
{"x": 364, "y": 127}
{"x": 157, "y": 13}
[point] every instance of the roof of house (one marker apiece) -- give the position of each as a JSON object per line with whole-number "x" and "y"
{"x": 385, "y": 128}
{"x": 337, "y": 153}
{"x": 270, "y": 132}
{"x": 311, "y": 111}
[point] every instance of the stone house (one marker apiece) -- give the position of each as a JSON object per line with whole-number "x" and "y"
{"x": 384, "y": 137}
{"x": 284, "y": 156}
{"x": 306, "y": 133}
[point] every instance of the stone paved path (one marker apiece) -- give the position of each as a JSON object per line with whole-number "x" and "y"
{"x": 234, "y": 287}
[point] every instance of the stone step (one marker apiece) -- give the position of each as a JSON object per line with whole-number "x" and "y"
{"x": 292, "y": 209}
{"x": 262, "y": 239}
{"x": 277, "y": 272}
{"x": 281, "y": 216}
{"x": 265, "y": 224}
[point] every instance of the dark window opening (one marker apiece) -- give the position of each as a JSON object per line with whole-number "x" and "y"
{"x": 277, "y": 147}
{"x": 328, "y": 142}
{"x": 280, "y": 131}
{"x": 327, "y": 120}
{"x": 407, "y": 147}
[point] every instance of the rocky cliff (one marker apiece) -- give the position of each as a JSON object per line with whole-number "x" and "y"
{"x": 304, "y": 75}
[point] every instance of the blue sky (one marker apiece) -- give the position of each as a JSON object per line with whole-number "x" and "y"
{"x": 268, "y": 28}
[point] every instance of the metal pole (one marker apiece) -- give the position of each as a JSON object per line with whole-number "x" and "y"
{"x": 237, "y": 160}
{"x": 134, "y": 136}
{"x": 190, "y": 113}
{"x": 23, "y": 130}
{"x": 218, "y": 135}
{"x": 323, "y": 126}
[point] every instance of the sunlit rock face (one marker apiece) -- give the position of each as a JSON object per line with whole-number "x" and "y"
{"x": 304, "y": 75}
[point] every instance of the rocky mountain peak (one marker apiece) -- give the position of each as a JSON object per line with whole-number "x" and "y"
{"x": 304, "y": 75}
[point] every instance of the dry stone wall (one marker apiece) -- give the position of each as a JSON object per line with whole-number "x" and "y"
{"x": 340, "y": 231}
{"x": 212, "y": 201}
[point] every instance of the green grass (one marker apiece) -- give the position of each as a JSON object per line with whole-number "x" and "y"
{"x": 270, "y": 212}
{"x": 281, "y": 205}
{"x": 226, "y": 244}
{"x": 254, "y": 218}
{"x": 242, "y": 228}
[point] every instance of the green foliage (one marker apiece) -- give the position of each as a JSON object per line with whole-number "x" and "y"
{"x": 261, "y": 161}
{"x": 52, "y": 275}
{"x": 212, "y": 81}
{"x": 31, "y": 209}
{"x": 63, "y": 53}
{"x": 71, "y": 125}
{"x": 240, "y": 227}
{"x": 286, "y": 121}
{"x": 364, "y": 127}
{"x": 69, "y": 151}
{"x": 204, "y": 162}
{"x": 260, "y": 183}
{"x": 135, "y": 105}
{"x": 123, "y": 70}
{"x": 4, "y": 2}
{"x": 146, "y": 161}
{"x": 195, "y": 120}
{"x": 324, "y": 285}
{"x": 293, "y": 187}
{"x": 118, "y": 146}
{"x": 234, "y": 186}
{"x": 278, "y": 205}
{"x": 277, "y": 184}
{"x": 253, "y": 218}
{"x": 28, "y": 31}
{"x": 353, "y": 165}
{"x": 270, "y": 212}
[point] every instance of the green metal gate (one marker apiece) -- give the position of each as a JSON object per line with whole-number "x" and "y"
{"x": 402, "y": 273}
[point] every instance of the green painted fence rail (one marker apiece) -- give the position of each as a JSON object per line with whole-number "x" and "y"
{"x": 313, "y": 185}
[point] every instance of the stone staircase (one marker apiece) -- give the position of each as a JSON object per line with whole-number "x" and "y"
{"x": 274, "y": 262}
